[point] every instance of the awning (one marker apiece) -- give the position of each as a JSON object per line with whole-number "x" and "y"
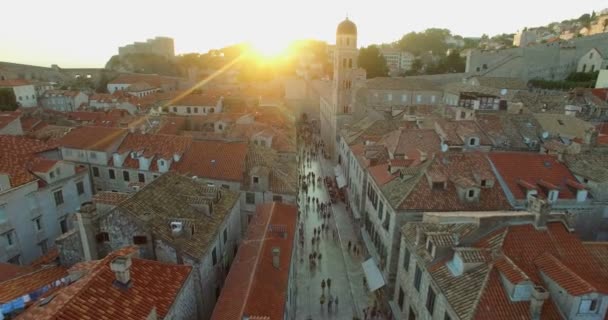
{"x": 373, "y": 275}
{"x": 341, "y": 181}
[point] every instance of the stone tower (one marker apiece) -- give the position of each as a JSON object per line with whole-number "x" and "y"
{"x": 345, "y": 63}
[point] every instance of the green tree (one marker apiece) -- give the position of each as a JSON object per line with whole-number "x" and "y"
{"x": 373, "y": 62}
{"x": 432, "y": 39}
{"x": 8, "y": 101}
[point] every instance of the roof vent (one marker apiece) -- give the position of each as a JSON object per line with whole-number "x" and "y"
{"x": 547, "y": 163}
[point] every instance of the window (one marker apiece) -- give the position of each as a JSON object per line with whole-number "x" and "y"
{"x": 15, "y": 260}
{"x": 447, "y": 316}
{"x": 214, "y": 256}
{"x": 225, "y": 235}
{"x": 400, "y": 298}
{"x": 411, "y": 315}
{"x": 43, "y": 246}
{"x": 3, "y": 217}
{"x": 125, "y": 176}
{"x": 250, "y": 198}
{"x": 58, "y": 195}
{"x": 256, "y": 180}
{"x": 406, "y": 259}
{"x": 188, "y": 110}
{"x": 195, "y": 109}
{"x": 347, "y": 41}
{"x": 37, "y": 224}
{"x": 80, "y": 187}
{"x": 437, "y": 185}
{"x": 276, "y": 198}
{"x": 95, "y": 172}
{"x": 417, "y": 278}
{"x": 175, "y": 109}
{"x": 93, "y": 155}
{"x": 588, "y": 306}
{"x": 155, "y": 176}
{"x": 102, "y": 237}
{"x": 484, "y": 183}
{"x": 10, "y": 238}
{"x": 473, "y": 141}
{"x": 111, "y": 174}
{"x": 212, "y": 110}
{"x": 389, "y": 96}
{"x": 432, "y": 99}
{"x": 591, "y": 55}
{"x": 380, "y": 210}
{"x": 140, "y": 240}
{"x": 225, "y": 186}
{"x": 418, "y": 98}
{"x": 52, "y": 175}
{"x": 471, "y": 193}
{"x": 350, "y": 63}
{"x": 430, "y": 300}
{"x": 141, "y": 177}
{"x": 403, "y": 97}
{"x": 561, "y": 123}
{"x": 63, "y": 225}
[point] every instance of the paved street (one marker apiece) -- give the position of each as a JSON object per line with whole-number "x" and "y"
{"x": 344, "y": 269}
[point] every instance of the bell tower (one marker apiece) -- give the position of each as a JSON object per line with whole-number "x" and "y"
{"x": 345, "y": 63}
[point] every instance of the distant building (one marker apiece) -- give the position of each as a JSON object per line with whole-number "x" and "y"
{"x": 196, "y": 104}
{"x": 592, "y": 61}
{"x": 63, "y": 100}
{"x": 266, "y": 256}
{"x": 25, "y": 92}
{"x": 142, "y": 85}
{"x": 397, "y": 61}
{"x": 162, "y": 46}
{"x": 38, "y": 197}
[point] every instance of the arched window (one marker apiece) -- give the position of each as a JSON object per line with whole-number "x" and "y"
{"x": 592, "y": 68}
{"x": 212, "y": 110}
{"x": 485, "y": 66}
{"x": 350, "y": 62}
{"x": 584, "y": 68}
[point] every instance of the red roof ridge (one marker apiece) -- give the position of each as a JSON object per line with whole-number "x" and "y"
{"x": 548, "y": 262}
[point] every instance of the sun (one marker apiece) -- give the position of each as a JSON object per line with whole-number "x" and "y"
{"x": 269, "y": 48}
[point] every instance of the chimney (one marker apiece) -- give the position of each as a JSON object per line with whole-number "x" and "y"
{"x": 121, "y": 267}
{"x": 537, "y": 299}
{"x": 418, "y": 235}
{"x": 276, "y": 257}
{"x": 541, "y": 210}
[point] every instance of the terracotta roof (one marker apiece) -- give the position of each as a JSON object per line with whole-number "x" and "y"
{"x": 94, "y": 296}
{"x": 387, "y": 83}
{"x": 65, "y": 93}
{"x": 591, "y": 166}
{"x": 410, "y": 143}
{"x": 152, "y": 79}
{"x": 532, "y": 168}
{"x": 92, "y": 138}
{"x": 153, "y": 146}
{"x": 7, "y": 118}
{"x": 381, "y": 174}
{"x": 30, "y": 124}
{"x": 14, "y": 83}
{"x": 30, "y": 282}
{"x": 454, "y": 133}
{"x": 465, "y": 169}
{"x": 42, "y": 165}
{"x": 9, "y": 271}
{"x": 196, "y": 100}
{"x": 519, "y": 253}
{"x": 254, "y": 287}
{"x": 283, "y": 173}
{"x": 599, "y": 250}
{"x": 15, "y": 156}
{"x": 111, "y": 198}
{"x": 173, "y": 196}
{"x": 214, "y": 160}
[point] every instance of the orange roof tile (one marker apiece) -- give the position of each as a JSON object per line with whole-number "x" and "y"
{"x": 158, "y": 146}
{"x": 254, "y": 287}
{"x": 30, "y": 282}
{"x": 94, "y": 296}
{"x": 16, "y": 154}
{"x": 92, "y": 138}
{"x": 533, "y": 168}
{"x": 14, "y": 83}
{"x": 111, "y": 198}
{"x": 9, "y": 271}
{"x": 214, "y": 160}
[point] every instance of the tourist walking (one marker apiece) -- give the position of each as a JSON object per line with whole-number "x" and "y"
{"x": 323, "y": 285}
{"x": 328, "y": 284}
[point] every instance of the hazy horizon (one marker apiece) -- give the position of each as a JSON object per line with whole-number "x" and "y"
{"x": 70, "y": 34}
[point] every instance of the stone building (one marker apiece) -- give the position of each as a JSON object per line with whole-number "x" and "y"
{"x": 63, "y": 100}
{"x": 401, "y": 92}
{"x": 267, "y": 257}
{"x": 173, "y": 219}
{"x": 25, "y": 92}
{"x": 38, "y": 195}
{"x": 162, "y": 46}
{"x": 122, "y": 286}
{"x": 196, "y": 104}
{"x": 592, "y": 61}
{"x": 518, "y": 265}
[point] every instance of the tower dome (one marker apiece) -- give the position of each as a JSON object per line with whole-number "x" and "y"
{"x": 347, "y": 27}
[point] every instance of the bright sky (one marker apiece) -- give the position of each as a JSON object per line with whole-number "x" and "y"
{"x": 74, "y": 33}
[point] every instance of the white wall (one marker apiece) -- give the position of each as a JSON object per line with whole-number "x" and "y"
{"x": 26, "y": 95}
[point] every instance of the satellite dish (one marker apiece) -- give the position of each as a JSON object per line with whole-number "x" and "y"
{"x": 545, "y": 134}
{"x": 444, "y": 147}
{"x": 503, "y": 92}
